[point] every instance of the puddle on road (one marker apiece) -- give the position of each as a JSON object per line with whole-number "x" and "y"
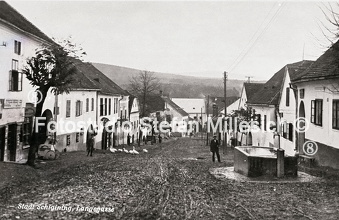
{"x": 192, "y": 158}
{"x": 229, "y": 173}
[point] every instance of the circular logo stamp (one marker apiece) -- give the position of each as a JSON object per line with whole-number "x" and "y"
{"x": 34, "y": 96}
{"x": 301, "y": 124}
{"x": 310, "y": 148}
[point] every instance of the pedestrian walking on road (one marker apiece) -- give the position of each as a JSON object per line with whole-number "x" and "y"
{"x": 214, "y": 146}
{"x": 90, "y": 145}
{"x": 128, "y": 139}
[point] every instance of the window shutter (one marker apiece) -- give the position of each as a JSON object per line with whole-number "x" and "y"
{"x": 10, "y": 81}
{"x": 287, "y": 131}
{"x": 287, "y": 96}
{"x": 312, "y": 111}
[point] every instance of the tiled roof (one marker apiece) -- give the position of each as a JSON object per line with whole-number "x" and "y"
{"x": 270, "y": 92}
{"x": 154, "y": 103}
{"x": 325, "y": 67}
{"x": 80, "y": 81}
{"x": 251, "y": 89}
{"x": 175, "y": 106}
{"x": 11, "y": 17}
{"x": 221, "y": 102}
{"x": 190, "y": 105}
{"x": 93, "y": 78}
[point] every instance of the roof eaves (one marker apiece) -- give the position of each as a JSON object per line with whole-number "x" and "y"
{"x": 27, "y": 33}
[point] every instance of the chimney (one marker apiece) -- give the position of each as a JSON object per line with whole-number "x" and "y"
{"x": 160, "y": 92}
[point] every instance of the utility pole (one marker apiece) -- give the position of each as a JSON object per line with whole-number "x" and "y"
{"x": 225, "y": 129}
{"x": 207, "y": 127}
{"x": 249, "y": 78}
{"x": 202, "y": 125}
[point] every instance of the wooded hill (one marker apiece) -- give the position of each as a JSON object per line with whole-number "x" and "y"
{"x": 175, "y": 85}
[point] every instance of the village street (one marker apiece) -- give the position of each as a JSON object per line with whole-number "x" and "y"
{"x": 165, "y": 183}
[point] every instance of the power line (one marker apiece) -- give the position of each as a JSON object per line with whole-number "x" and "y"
{"x": 256, "y": 40}
{"x": 262, "y": 23}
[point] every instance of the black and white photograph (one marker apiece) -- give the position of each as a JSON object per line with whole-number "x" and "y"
{"x": 169, "y": 109}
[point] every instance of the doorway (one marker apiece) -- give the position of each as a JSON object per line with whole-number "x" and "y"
{"x": 249, "y": 139}
{"x": 2, "y": 143}
{"x": 43, "y": 131}
{"x": 301, "y": 135}
{"x": 12, "y": 141}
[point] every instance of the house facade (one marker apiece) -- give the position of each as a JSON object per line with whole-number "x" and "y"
{"x": 318, "y": 102}
{"x": 91, "y": 107}
{"x": 247, "y": 93}
{"x": 134, "y": 117}
{"x": 195, "y": 107}
{"x": 19, "y": 39}
{"x": 274, "y": 109}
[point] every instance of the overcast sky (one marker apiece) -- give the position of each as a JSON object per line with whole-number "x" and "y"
{"x": 191, "y": 38}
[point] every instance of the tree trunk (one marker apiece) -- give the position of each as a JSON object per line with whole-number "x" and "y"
{"x": 35, "y": 137}
{"x": 143, "y": 105}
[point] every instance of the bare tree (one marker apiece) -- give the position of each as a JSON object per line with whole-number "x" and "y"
{"x": 142, "y": 86}
{"x": 52, "y": 68}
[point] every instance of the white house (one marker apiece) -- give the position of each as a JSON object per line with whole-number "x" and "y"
{"x": 318, "y": 102}
{"x": 134, "y": 117}
{"x": 94, "y": 104}
{"x": 247, "y": 93}
{"x": 112, "y": 109}
{"x": 75, "y": 113}
{"x": 274, "y": 109}
{"x": 18, "y": 40}
{"x": 195, "y": 107}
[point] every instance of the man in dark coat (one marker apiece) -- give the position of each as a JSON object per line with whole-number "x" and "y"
{"x": 128, "y": 139}
{"x": 90, "y": 145}
{"x": 215, "y": 148}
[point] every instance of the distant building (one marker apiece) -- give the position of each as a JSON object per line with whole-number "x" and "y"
{"x": 134, "y": 116}
{"x": 195, "y": 107}
{"x": 247, "y": 92}
{"x": 220, "y": 104}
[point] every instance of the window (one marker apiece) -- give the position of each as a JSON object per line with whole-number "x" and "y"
{"x": 287, "y": 96}
{"x": 17, "y": 47}
{"x": 302, "y": 93}
{"x": 101, "y": 107}
{"x": 335, "y": 114}
{"x": 109, "y": 106}
{"x": 78, "y": 108}
{"x": 257, "y": 118}
{"x": 290, "y": 132}
{"x": 68, "y": 108}
{"x": 1, "y": 107}
{"x": 87, "y": 105}
{"x": 284, "y": 129}
{"x": 77, "y": 137}
{"x": 68, "y": 140}
{"x": 115, "y": 106}
{"x": 265, "y": 122}
{"x": 92, "y": 104}
{"x": 105, "y": 107}
{"x": 287, "y": 131}
{"x": 56, "y": 110}
{"x": 317, "y": 111}
{"x": 15, "y": 78}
